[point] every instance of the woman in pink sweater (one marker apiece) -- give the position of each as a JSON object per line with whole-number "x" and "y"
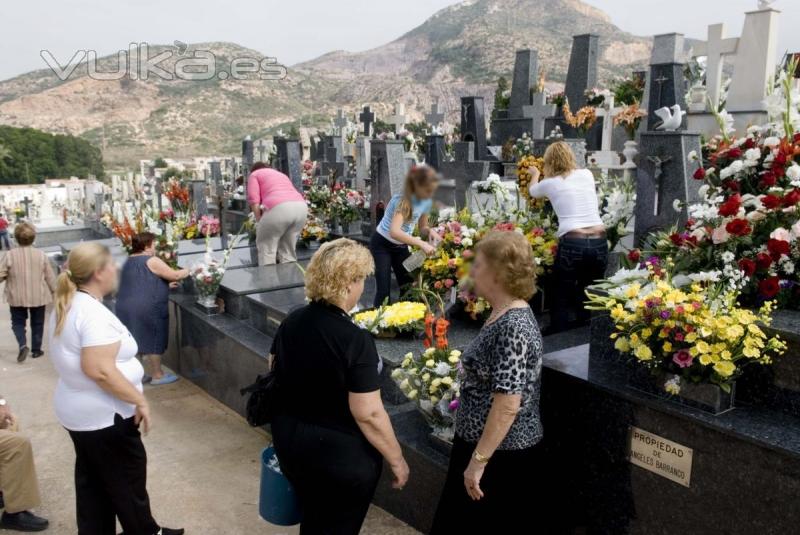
{"x": 280, "y": 211}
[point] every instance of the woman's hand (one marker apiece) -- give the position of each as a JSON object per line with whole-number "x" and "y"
{"x": 142, "y": 417}
{"x": 427, "y": 248}
{"x": 535, "y": 174}
{"x": 472, "y": 479}
{"x": 400, "y": 470}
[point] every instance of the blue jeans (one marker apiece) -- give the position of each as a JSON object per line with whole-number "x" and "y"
{"x": 388, "y": 257}
{"x": 579, "y": 262}
{"x": 4, "y": 240}
{"x": 19, "y": 319}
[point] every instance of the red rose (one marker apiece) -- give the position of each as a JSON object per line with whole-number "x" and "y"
{"x": 738, "y": 227}
{"x": 735, "y": 153}
{"x": 748, "y": 266}
{"x": 780, "y": 158}
{"x": 769, "y": 287}
{"x": 779, "y": 170}
{"x": 700, "y": 174}
{"x": 771, "y": 202}
{"x": 791, "y": 198}
{"x": 634, "y": 255}
{"x": 797, "y": 137}
{"x": 764, "y": 261}
{"x": 676, "y": 239}
{"x": 749, "y": 143}
{"x": 731, "y": 206}
{"x": 690, "y": 223}
{"x": 777, "y": 248}
{"x": 731, "y": 185}
{"x": 768, "y": 179}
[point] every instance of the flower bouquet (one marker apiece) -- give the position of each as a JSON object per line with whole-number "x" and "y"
{"x": 431, "y": 378}
{"x": 346, "y": 205}
{"x": 617, "y": 197}
{"x": 629, "y": 118}
{"x": 524, "y": 176}
{"x": 208, "y": 226}
{"x": 207, "y": 275}
{"x": 686, "y": 330}
{"x": 582, "y": 120}
{"x": 388, "y": 321}
{"x": 178, "y": 195}
{"x": 313, "y": 231}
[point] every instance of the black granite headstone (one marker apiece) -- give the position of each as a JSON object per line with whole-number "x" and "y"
{"x": 435, "y": 149}
{"x": 664, "y": 174}
{"x": 463, "y": 171}
{"x": 388, "y": 172}
{"x": 473, "y": 125}
{"x": 288, "y": 160}
{"x": 582, "y": 73}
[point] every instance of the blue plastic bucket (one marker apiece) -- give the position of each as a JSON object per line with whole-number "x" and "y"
{"x": 278, "y": 502}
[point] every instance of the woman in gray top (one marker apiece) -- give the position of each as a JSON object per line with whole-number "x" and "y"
{"x": 495, "y": 459}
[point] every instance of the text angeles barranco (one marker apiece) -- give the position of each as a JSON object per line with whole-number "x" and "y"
{"x": 660, "y": 456}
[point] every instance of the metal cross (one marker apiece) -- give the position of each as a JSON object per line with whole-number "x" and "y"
{"x": 367, "y": 118}
{"x": 658, "y": 163}
{"x": 660, "y": 81}
{"x": 26, "y": 201}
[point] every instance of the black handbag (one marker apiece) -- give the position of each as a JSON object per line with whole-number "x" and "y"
{"x": 260, "y": 408}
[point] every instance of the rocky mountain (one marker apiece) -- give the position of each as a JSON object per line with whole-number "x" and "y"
{"x": 460, "y": 50}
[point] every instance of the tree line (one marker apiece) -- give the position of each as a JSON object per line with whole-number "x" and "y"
{"x": 29, "y": 156}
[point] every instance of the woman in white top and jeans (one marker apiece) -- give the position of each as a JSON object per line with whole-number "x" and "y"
{"x": 99, "y": 398}
{"x": 582, "y": 244}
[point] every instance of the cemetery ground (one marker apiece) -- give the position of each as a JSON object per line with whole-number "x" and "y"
{"x": 203, "y": 459}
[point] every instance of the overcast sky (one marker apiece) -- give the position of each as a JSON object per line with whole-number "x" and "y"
{"x": 298, "y": 30}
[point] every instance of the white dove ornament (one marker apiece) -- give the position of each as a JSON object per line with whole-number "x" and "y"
{"x": 671, "y": 119}
{"x": 765, "y": 4}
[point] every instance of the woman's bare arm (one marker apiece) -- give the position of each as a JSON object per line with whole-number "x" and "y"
{"x": 161, "y": 269}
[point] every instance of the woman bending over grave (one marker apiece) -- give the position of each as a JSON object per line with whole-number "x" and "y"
{"x": 330, "y": 430}
{"x": 143, "y": 303}
{"x": 393, "y": 235}
{"x": 495, "y": 473}
{"x": 281, "y": 212}
{"x": 582, "y": 245}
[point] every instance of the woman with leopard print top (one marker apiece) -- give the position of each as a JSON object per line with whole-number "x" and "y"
{"x": 496, "y": 447}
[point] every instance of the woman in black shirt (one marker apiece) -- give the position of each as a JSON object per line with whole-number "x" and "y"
{"x": 494, "y": 475}
{"x": 331, "y": 431}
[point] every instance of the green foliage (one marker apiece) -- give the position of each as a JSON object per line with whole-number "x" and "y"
{"x": 172, "y": 172}
{"x": 159, "y": 163}
{"x": 628, "y": 90}
{"x": 501, "y": 96}
{"x": 29, "y": 156}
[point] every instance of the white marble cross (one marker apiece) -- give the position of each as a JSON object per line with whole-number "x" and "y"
{"x": 715, "y": 49}
{"x": 340, "y": 122}
{"x": 538, "y": 111}
{"x": 606, "y": 157}
{"x": 398, "y": 120}
{"x": 435, "y": 117}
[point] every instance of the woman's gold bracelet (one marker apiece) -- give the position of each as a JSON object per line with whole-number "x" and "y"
{"x": 481, "y": 458}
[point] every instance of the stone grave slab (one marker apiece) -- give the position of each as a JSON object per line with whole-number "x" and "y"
{"x": 238, "y": 283}
{"x": 111, "y": 243}
{"x": 240, "y": 258}
{"x": 199, "y": 246}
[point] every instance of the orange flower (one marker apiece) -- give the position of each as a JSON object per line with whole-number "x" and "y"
{"x": 441, "y": 333}
{"x": 428, "y": 341}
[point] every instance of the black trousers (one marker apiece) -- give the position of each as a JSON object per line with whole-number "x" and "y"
{"x": 19, "y": 320}
{"x": 512, "y": 485}
{"x": 579, "y": 262}
{"x": 111, "y": 480}
{"x": 334, "y": 473}
{"x": 388, "y": 257}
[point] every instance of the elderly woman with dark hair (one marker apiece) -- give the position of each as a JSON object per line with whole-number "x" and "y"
{"x": 142, "y": 302}
{"x": 491, "y": 484}
{"x": 331, "y": 431}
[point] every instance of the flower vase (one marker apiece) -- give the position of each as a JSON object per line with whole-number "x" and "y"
{"x": 207, "y": 297}
{"x": 706, "y": 397}
{"x": 630, "y": 152}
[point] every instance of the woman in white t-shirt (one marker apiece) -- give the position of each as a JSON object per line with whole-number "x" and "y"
{"x": 582, "y": 244}
{"x": 99, "y": 398}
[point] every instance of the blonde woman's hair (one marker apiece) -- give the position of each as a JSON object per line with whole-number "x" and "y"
{"x": 82, "y": 263}
{"x": 335, "y": 267}
{"x": 420, "y": 176}
{"x": 511, "y": 257}
{"x": 559, "y": 160}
